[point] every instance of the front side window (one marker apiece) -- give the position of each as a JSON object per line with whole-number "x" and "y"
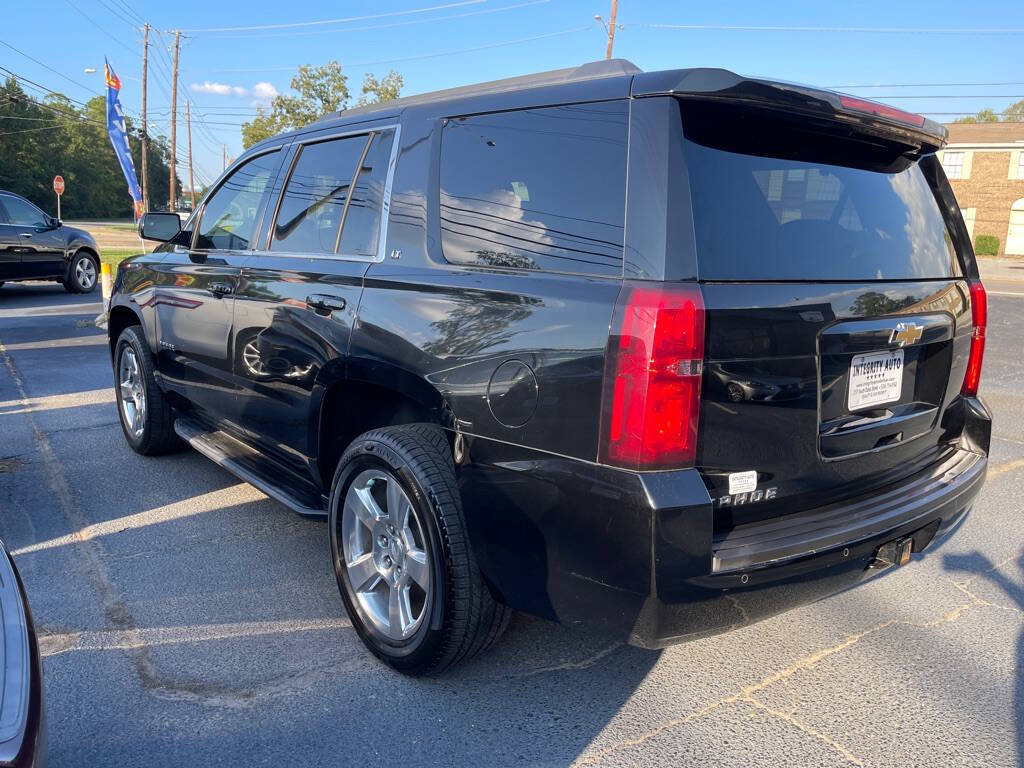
{"x": 23, "y": 213}
{"x": 229, "y": 217}
{"x": 536, "y": 189}
{"x": 333, "y": 199}
{"x": 953, "y": 164}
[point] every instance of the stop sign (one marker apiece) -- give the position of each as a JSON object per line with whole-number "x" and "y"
{"x": 58, "y": 185}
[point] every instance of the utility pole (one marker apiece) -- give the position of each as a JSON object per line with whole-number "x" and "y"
{"x": 224, "y": 157}
{"x": 188, "y": 128}
{"x": 611, "y": 29}
{"x": 145, "y": 134}
{"x": 174, "y": 118}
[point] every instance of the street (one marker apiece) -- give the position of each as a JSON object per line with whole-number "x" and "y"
{"x": 187, "y": 619}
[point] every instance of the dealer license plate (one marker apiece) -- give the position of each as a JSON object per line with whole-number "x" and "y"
{"x": 875, "y": 378}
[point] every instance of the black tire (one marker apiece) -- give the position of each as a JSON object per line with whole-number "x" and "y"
{"x": 462, "y": 617}
{"x": 157, "y": 427}
{"x": 77, "y": 281}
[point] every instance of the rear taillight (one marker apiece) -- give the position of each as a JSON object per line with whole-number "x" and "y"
{"x": 881, "y": 110}
{"x": 979, "y": 319}
{"x": 651, "y": 398}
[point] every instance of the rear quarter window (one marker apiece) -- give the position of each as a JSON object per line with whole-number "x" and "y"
{"x": 808, "y": 215}
{"x": 537, "y": 189}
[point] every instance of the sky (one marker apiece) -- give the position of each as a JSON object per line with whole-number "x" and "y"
{"x": 931, "y": 57}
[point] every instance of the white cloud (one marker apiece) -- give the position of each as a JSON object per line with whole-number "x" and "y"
{"x": 263, "y": 93}
{"x": 220, "y": 89}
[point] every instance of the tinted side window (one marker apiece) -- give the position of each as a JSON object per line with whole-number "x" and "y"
{"x": 23, "y": 214}
{"x": 309, "y": 219}
{"x": 540, "y": 189}
{"x": 229, "y": 216}
{"x": 362, "y": 220}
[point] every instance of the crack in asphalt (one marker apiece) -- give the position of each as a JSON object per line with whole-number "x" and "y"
{"x": 748, "y": 694}
{"x": 117, "y": 612}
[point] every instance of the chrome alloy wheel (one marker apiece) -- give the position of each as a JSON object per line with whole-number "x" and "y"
{"x": 385, "y": 553}
{"x": 133, "y": 393}
{"x": 85, "y": 272}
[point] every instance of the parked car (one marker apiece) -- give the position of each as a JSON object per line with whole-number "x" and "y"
{"x": 36, "y": 246}
{"x": 476, "y": 329}
{"x": 21, "y": 673}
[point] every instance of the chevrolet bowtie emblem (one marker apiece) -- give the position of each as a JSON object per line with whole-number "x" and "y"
{"x": 905, "y": 334}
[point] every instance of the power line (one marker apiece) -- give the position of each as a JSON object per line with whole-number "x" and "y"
{"x": 858, "y": 30}
{"x": 950, "y": 96}
{"x": 923, "y": 85}
{"x": 88, "y": 18}
{"x": 419, "y": 57}
{"x": 33, "y": 130}
{"x": 33, "y": 83}
{"x": 117, "y": 12}
{"x": 392, "y": 25}
{"x": 321, "y": 22}
{"x": 47, "y": 66}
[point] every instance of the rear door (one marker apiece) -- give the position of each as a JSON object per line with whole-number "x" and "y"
{"x": 194, "y": 289}
{"x": 42, "y": 245}
{"x": 10, "y": 247}
{"x": 299, "y": 292}
{"x": 838, "y": 318}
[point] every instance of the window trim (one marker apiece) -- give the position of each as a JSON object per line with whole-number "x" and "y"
{"x": 382, "y": 231}
{"x": 5, "y": 217}
{"x": 200, "y": 210}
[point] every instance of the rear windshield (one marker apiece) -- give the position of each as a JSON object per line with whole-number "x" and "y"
{"x": 774, "y": 203}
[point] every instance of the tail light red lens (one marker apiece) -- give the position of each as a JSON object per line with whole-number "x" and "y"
{"x": 882, "y": 110}
{"x": 652, "y": 377}
{"x": 979, "y": 319}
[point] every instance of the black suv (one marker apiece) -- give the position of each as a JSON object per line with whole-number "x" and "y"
{"x": 663, "y": 353}
{"x": 36, "y": 246}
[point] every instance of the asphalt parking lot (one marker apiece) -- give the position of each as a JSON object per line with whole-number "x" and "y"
{"x": 186, "y": 619}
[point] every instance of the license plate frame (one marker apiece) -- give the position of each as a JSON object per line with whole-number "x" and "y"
{"x": 874, "y": 379}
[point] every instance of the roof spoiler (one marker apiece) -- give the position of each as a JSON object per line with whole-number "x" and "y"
{"x": 861, "y": 115}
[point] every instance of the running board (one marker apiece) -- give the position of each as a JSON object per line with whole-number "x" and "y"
{"x": 246, "y": 464}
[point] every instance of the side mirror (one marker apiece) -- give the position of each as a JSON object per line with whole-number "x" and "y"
{"x": 159, "y": 226}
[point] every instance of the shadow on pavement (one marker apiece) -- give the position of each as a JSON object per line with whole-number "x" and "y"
{"x": 979, "y": 566}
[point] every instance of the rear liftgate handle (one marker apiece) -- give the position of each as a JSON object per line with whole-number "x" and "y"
{"x": 324, "y": 304}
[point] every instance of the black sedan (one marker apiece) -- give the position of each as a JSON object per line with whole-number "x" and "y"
{"x": 36, "y": 246}
{"x": 21, "y": 679}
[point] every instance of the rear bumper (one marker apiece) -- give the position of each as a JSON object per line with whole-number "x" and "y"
{"x": 635, "y": 554}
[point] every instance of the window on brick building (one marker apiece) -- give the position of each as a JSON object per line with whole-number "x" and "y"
{"x": 953, "y": 164}
{"x": 1020, "y": 165}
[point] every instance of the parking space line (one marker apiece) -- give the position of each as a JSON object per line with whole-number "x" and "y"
{"x": 115, "y": 639}
{"x": 97, "y": 339}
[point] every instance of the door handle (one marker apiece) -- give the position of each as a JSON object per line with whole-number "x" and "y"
{"x": 324, "y": 303}
{"x": 221, "y": 289}
{"x": 26, "y": 234}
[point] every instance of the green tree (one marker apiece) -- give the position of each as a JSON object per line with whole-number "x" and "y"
{"x": 984, "y": 116}
{"x": 40, "y": 139}
{"x": 1015, "y": 112}
{"x": 1012, "y": 114}
{"x": 318, "y": 91}
{"x": 376, "y": 91}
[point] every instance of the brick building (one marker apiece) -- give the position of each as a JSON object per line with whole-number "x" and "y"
{"x": 985, "y": 165}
